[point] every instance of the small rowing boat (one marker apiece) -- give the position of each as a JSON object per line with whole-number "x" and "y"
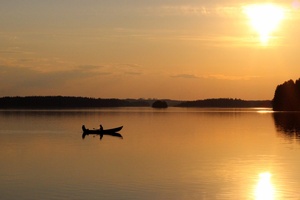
{"x": 101, "y": 132}
{"x": 98, "y": 131}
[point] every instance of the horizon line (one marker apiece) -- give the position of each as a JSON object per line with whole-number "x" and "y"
{"x": 140, "y": 98}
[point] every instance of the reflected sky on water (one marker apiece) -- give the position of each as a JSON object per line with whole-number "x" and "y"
{"x": 174, "y": 153}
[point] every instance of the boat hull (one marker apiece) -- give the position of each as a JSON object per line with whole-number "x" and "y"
{"x": 112, "y": 132}
{"x": 98, "y": 131}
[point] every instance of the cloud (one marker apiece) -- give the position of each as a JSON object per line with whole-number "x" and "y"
{"x": 15, "y": 50}
{"x": 125, "y": 68}
{"x": 21, "y": 78}
{"x": 215, "y": 76}
{"x": 131, "y": 65}
{"x": 185, "y": 10}
{"x": 133, "y": 73}
{"x": 231, "y": 78}
{"x": 202, "y": 10}
{"x": 90, "y": 67}
{"x": 188, "y": 76}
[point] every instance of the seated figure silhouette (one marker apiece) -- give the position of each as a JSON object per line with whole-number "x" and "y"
{"x": 101, "y": 132}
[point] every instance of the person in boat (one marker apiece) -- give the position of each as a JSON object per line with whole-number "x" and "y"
{"x": 101, "y": 134}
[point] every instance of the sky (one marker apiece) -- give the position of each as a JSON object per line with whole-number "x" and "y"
{"x": 174, "y": 49}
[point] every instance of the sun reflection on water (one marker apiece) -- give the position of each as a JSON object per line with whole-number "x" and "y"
{"x": 264, "y": 189}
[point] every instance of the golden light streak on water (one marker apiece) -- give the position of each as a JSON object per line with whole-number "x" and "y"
{"x": 264, "y": 189}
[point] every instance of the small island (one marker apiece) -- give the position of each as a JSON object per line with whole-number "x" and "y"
{"x": 159, "y": 104}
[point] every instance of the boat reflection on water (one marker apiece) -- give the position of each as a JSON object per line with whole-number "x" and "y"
{"x": 264, "y": 189}
{"x": 102, "y": 134}
{"x": 288, "y": 123}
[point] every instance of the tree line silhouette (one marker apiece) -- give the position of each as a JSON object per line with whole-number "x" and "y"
{"x": 53, "y": 102}
{"x": 287, "y": 96}
{"x": 226, "y": 103}
{"x": 60, "y": 102}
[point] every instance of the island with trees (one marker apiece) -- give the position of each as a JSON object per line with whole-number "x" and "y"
{"x": 160, "y": 104}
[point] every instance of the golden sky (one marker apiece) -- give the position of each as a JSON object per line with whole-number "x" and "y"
{"x": 175, "y": 49}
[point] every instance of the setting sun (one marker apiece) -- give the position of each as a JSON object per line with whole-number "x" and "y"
{"x": 264, "y": 19}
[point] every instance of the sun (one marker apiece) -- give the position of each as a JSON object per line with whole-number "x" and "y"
{"x": 264, "y": 19}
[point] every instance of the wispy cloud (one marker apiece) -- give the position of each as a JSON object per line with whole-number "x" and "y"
{"x": 125, "y": 68}
{"x": 215, "y": 76}
{"x": 202, "y": 10}
{"x": 185, "y": 10}
{"x": 90, "y": 67}
{"x": 232, "y": 78}
{"x": 187, "y": 76}
{"x": 26, "y": 78}
{"x": 12, "y": 77}
{"x": 133, "y": 73}
{"x": 127, "y": 65}
{"x": 15, "y": 50}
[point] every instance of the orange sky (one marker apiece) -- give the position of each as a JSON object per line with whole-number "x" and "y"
{"x": 183, "y": 50}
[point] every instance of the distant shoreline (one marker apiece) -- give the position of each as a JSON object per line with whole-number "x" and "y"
{"x": 69, "y": 102}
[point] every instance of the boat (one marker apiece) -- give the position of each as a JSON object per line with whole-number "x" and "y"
{"x": 98, "y": 131}
{"x": 101, "y": 132}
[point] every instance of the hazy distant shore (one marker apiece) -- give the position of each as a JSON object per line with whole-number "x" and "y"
{"x": 66, "y": 102}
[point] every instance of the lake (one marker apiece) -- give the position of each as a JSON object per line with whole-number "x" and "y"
{"x": 174, "y": 153}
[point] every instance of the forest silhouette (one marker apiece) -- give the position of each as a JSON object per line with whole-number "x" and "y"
{"x": 287, "y": 96}
{"x": 226, "y": 103}
{"x": 59, "y": 102}
{"x": 66, "y": 102}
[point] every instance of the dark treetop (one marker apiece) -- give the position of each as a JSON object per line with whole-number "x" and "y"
{"x": 287, "y": 96}
{"x": 160, "y": 104}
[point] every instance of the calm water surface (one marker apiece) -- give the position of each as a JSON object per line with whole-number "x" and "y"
{"x": 175, "y": 153}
